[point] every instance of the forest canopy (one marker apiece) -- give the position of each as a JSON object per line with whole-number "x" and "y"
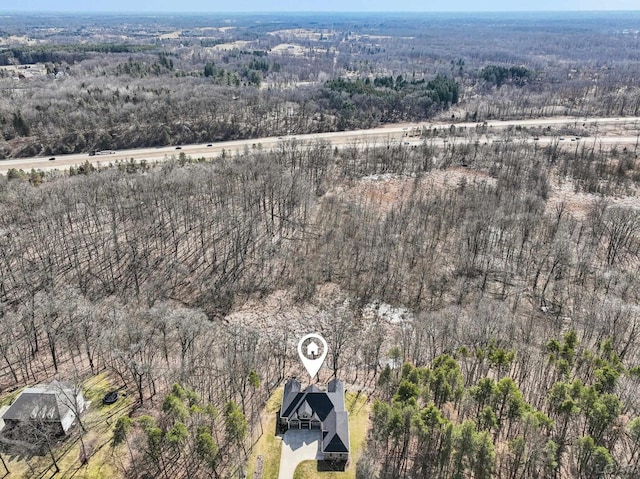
{"x": 475, "y": 279}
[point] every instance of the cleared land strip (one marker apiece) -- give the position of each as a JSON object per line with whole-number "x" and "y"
{"x": 342, "y": 138}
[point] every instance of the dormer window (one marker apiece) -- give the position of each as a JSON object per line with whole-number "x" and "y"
{"x": 305, "y": 411}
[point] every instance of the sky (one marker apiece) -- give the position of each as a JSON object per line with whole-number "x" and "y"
{"x": 313, "y": 5}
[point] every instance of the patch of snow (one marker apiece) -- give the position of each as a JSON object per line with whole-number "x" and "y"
{"x": 380, "y": 177}
{"x": 386, "y": 312}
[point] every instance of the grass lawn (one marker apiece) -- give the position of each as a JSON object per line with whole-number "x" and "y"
{"x": 98, "y": 421}
{"x": 268, "y": 446}
{"x": 7, "y": 399}
{"x": 358, "y": 423}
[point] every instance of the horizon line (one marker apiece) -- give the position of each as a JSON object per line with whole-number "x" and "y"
{"x": 280, "y": 12}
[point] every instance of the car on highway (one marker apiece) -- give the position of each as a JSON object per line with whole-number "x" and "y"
{"x": 102, "y": 152}
{"x": 209, "y": 145}
{"x": 178, "y": 148}
{"x": 52, "y": 158}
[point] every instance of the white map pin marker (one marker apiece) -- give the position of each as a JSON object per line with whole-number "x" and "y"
{"x": 312, "y": 350}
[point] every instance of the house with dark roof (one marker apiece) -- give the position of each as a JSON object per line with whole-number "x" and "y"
{"x": 313, "y": 408}
{"x": 51, "y": 408}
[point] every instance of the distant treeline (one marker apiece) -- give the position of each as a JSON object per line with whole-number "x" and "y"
{"x": 64, "y": 53}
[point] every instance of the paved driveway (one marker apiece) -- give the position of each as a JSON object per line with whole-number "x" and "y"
{"x": 298, "y": 445}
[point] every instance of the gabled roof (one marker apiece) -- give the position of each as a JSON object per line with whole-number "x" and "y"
{"x": 34, "y": 406}
{"x": 335, "y": 385}
{"x": 305, "y": 410}
{"x": 319, "y": 402}
{"x": 291, "y": 390}
{"x": 48, "y": 403}
{"x": 337, "y": 437}
{"x": 324, "y": 406}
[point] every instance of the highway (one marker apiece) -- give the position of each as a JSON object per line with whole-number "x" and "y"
{"x": 607, "y": 129}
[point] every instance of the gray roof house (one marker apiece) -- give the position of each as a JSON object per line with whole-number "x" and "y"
{"x": 313, "y": 408}
{"x": 52, "y": 407}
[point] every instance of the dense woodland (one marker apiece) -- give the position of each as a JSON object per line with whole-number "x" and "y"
{"x": 517, "y": 351}
{"x": 521, "y": 322}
